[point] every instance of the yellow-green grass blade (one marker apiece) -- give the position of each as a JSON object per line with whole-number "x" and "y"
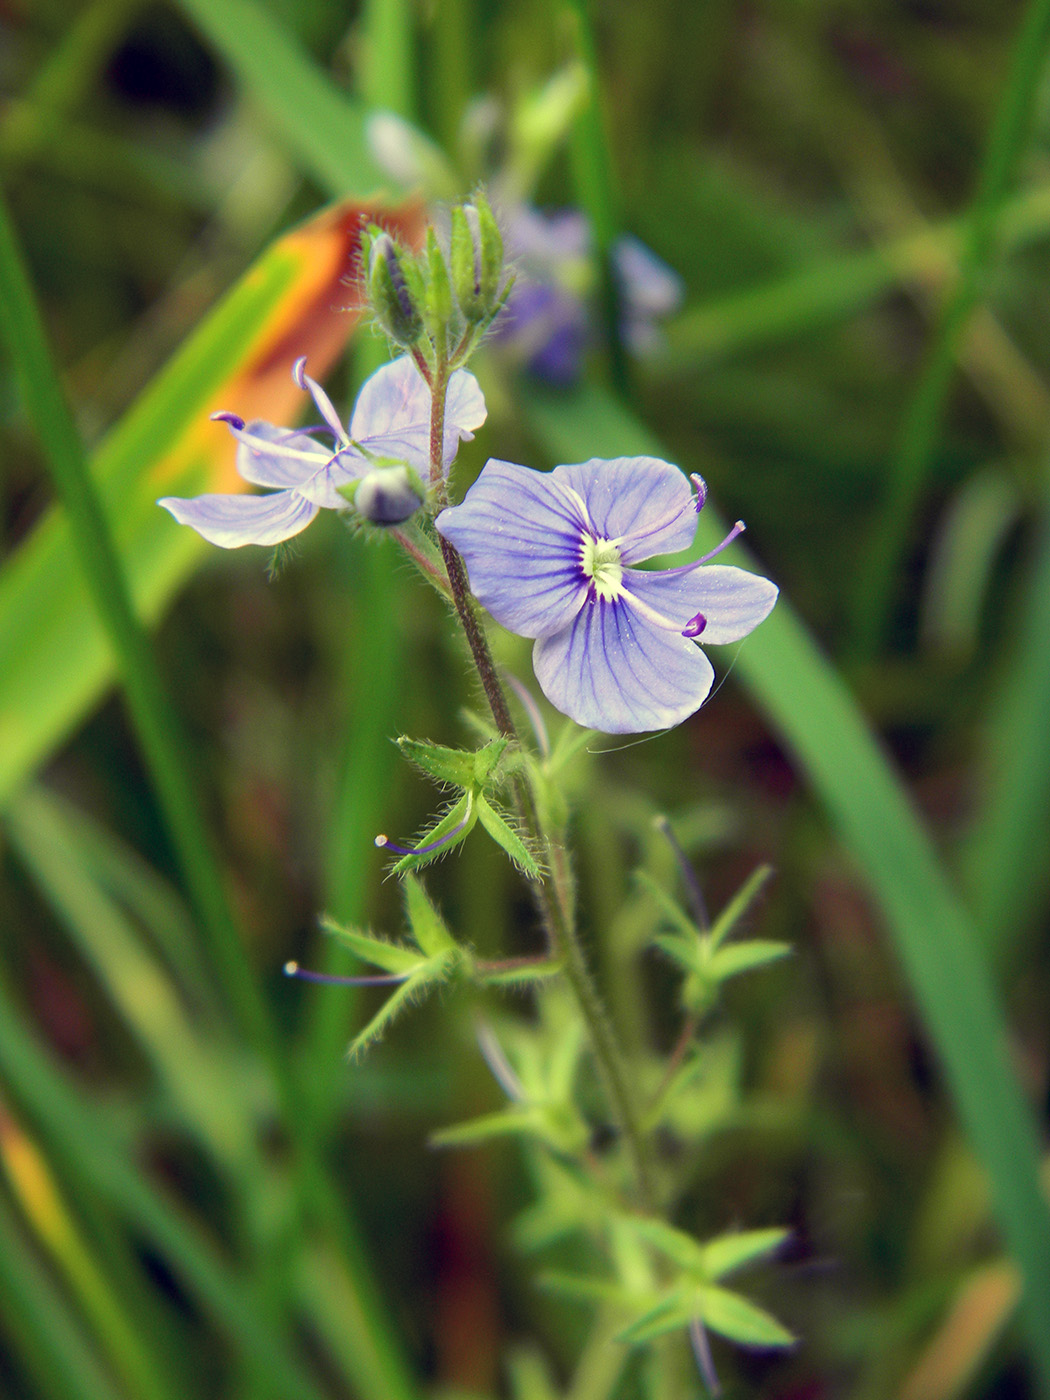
{"x": 817, "y": 718}
{"x": 38, "y": 1325}
{"x": 76, "y": 1133}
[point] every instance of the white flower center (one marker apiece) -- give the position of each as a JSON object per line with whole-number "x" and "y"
{"x": 600, "y": 560}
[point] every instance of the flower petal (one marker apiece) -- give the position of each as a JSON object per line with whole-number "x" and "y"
{"x": 732, "y": 601}
{"x": 231, "y": 521}
{"x": 612, "y": 671}
{"x": 520, "y": 536}
{"x": 644, "y": 502}
{"x": 392, "y": 415}
{"x": 271, "y": 456}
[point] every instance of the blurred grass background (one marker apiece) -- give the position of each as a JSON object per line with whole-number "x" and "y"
{"x": 201, "y": 1197}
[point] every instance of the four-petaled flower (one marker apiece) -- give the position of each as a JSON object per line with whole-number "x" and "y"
{"x": 551, "y": 556}
{"x": 386, "y": 452}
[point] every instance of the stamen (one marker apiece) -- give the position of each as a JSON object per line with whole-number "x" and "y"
{"x": 385, "y": 844}
{"x": 329, "y": 979}
{"x": 320, "y": 398}
{"x": 493, "y": 1054}
{"x": 532, "y": 710}
{"x": 234, "y": 420}
{"x": 704, "y": 1361}
{"x": 694, "y": 626}
{"x": 701, "y": 490}
{"x": 738, "y": 529}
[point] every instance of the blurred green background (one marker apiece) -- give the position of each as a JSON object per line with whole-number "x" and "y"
{"x": 201, "y": 1197}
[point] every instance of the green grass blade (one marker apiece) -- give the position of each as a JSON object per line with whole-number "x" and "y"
{"x": 79, "y": 1134}
{"x": 153, "y": 719}
{"x": 835, "y": 288}
{"x": 1009, "y": 831}
{"x": 205, "y": 1094}
{"x": 922, "y": 422}
{"x": 323, "y": 127}
{"x": 40, "y": 1327}
{"x": 815, "y": 715}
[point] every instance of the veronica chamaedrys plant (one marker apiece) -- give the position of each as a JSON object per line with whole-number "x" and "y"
{"x": 555, "y": 557}
{"x": 378, "y": 466}
{"x": 551, "y": 556}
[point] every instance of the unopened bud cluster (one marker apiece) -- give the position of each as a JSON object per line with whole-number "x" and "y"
{"x": 437, "y": 303}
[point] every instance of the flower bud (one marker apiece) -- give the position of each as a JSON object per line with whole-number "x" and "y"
{"x": 477, "y": 260}
{"x": 394, "y": 288}
{"x": 437, "y": 311}
{"x": 387, "y": 496}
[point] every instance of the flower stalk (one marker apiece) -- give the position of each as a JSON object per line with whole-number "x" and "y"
{"x": 553, "y": 894}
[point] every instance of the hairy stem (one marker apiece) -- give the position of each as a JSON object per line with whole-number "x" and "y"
{"x": 553, "y": 894}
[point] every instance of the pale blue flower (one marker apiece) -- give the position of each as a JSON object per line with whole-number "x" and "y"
{"x": 385, "y": 451}
{"x": 551, "y": 555}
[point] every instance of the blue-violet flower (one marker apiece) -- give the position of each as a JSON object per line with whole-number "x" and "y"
{"x": 551, "y": 555}
{"x": 382, "y": 460}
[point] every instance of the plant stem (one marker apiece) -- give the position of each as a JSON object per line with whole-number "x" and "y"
{"x": 553, "y": 895}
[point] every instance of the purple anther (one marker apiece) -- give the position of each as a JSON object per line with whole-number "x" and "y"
{"x": 234, "y": 420}
{"x": 701, "y": 490}
{"x": 694, "y": 626}
{"x": 299, "y": 372}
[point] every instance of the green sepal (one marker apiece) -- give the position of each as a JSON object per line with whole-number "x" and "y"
{"x": 463, "y": 768}
{"x": 391, "y": 957}
{"x": 431, "y": 972}
{"x": 490, "y": 254}
{"x": 739, "y": 905}
{"x": 744, "y": 957}
{"x": 741, "y": 1321}
{"x": 507, "y": 1122}
{"x": 727, "y": 1253}
{"x": 679, "y": 1247}
{"x": 465, "y": 266}
{"x": 428, "y": 927}
{"x": 672, "y": 1312}
{"x": 521, "y": 975}
{"x": 437, "y": 303}
{"x": 464, "y": 811}
{"x": 505, "y": 836}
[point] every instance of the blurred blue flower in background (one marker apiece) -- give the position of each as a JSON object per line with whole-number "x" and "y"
{"x": 551, "y": 556}
{"x": 549, "y": 320}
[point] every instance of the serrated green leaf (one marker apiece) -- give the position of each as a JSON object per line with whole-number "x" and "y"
{"x": 729, "y": 1252}
{"x": 462, "y": 813}
{"x": 742, "y": 957}
{"x": 505, "y": 836}
{"x": 428, "y": 928}
{"x": 391, "y": 957}
{"x": 734, "y": 1317}
{"x": 433, "y": 971}
{"x": 739, "y": 905}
